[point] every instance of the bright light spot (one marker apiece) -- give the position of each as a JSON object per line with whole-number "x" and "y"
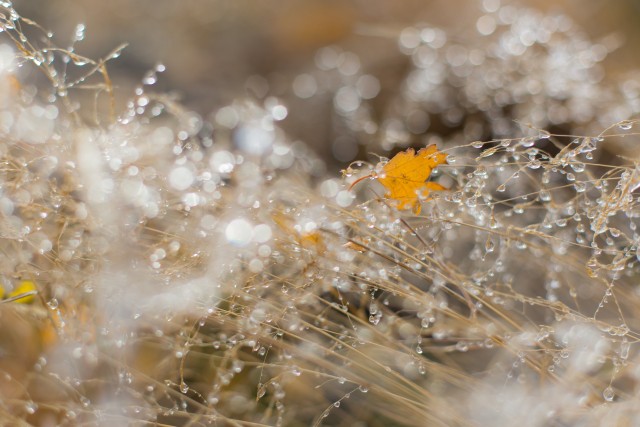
{"x": 134, "y": 189}
{"x": 305, "y": 86}
{"x": 256, "y": 265}
{"x": 329, "y": 188}
{"x": 279, "y": 112}
{"x": 239, "y": 232}
{"x": 346, "y": 99}
{"x": 486, "y": 25}
{"x": 491, "y": 5}
{"x": 181, "y": 178}
{"x": 264, "y": 251}
{"x": 409, "y": 38}
{"x": 368, "y": 86}
{"x": 262, "y": 233}
{"x": 344, "y": 198}
{"x": 254, "y": 139}
{"x": 227, "y": 117}
{"x": 162, "y": 136}
{"x": 34, "y": 124}
{"x": 208, "y": 222}
{"x": 222, "y": 162}
{"x": 191, "y": 199}
{"x": 7, "y": 57}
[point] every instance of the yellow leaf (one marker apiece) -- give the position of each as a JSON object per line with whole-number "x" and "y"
{"x": 308, "y": 240}
{"x": 405, "y": 176}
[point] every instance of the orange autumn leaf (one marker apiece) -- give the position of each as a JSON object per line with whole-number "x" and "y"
{"x": 311, "y": 240}
{"x": 405, "y": 176}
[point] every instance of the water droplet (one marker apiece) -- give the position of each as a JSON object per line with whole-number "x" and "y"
{"x": 527, "y": 142}
{"x": 544, "y": 135}
{"x": 534, "y": 164}
{"x": 624, "y": 349}
{"x": 489, "y": 246}
{"x": 184, "y": 388}
{"x": 374, "y": 319}
{"x": 577, "y": 166}
{"x": 608, "y": 394}
{"x": 462, "y": 346}
{"x": 150, "y": 78}
{"x": 625, "y": 124}
{"x": 31, "y": 407}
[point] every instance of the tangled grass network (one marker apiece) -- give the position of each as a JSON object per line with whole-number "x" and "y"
{"x": 159, "y": 267}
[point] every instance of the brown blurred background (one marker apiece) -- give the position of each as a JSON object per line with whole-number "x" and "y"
{"x": 212, "y": 47}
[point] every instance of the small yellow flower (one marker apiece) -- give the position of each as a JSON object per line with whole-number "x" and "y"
{"x": 25, "y": 287}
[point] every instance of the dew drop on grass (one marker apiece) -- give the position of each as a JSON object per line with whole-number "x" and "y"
{"x": 580, "y": 187}
{"x": 578, "y": 166}
{"x": 31, "y": 407}
{"x": 462, "y": 346}
{"x": 261, "y": 392}
{"x": 544, "y": 135}
{"x": 624, "y": 349}
{"x": 625, "y": 125}
{"x": 150, "y": 78}
{"x": 528, "y": 142}
{"x": 489, "y": 246}
{"x": 608, "y": 394}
